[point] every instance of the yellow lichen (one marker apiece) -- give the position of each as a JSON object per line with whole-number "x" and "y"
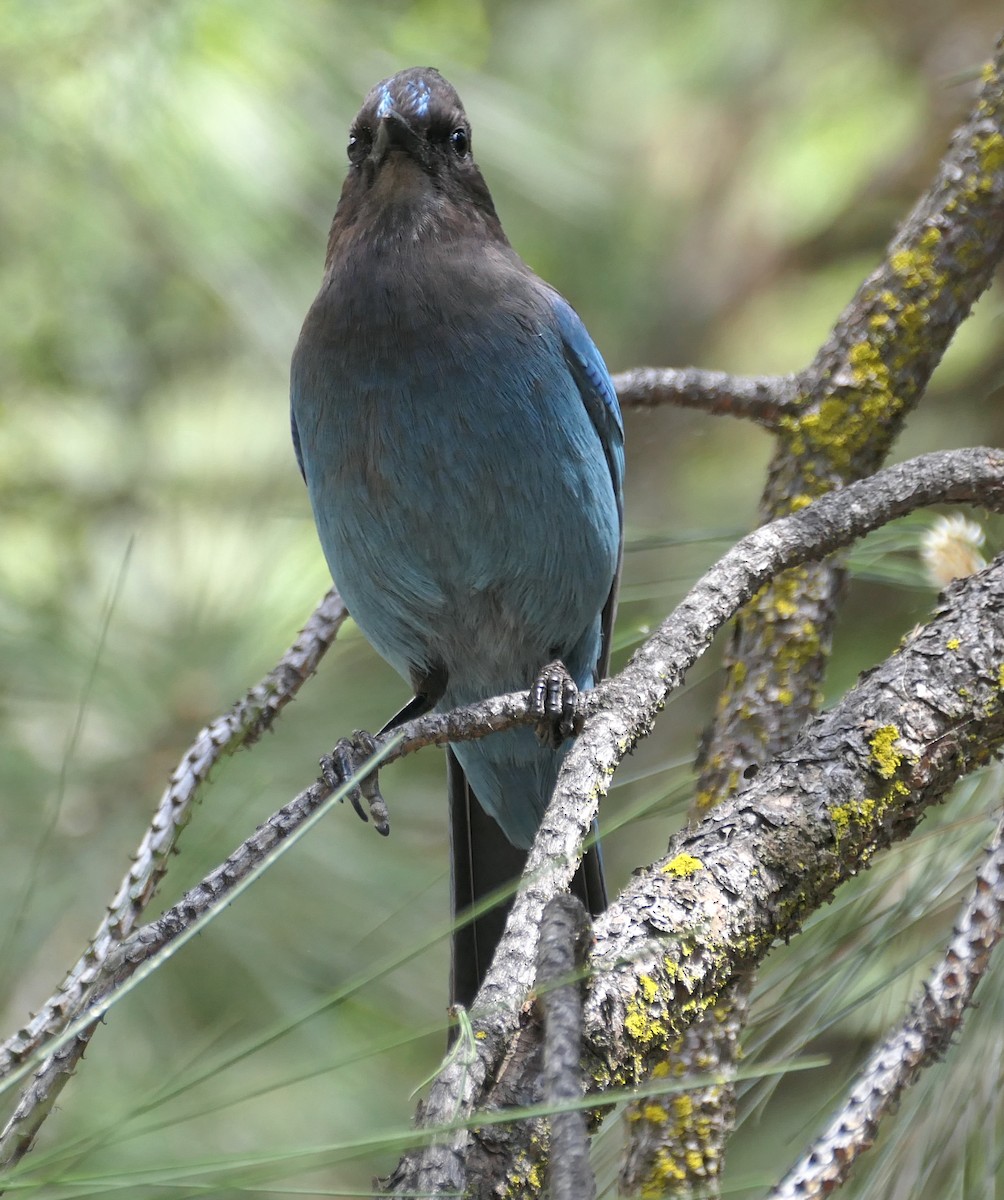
{"x": 915, "y": 266}
{"x": 526, "y": 1177}
{"x": 885, "y": 756}
{"x": 641, "y": 1026}
{"x": 695, "y": 1161}
{"x": 682, "y": 866}
{"x": 953, "y": 644}
{"x": 636, "y": 1024}
{"x": 665, "y": 1170}
{"x": 706, "y": 798}
{"x": 991, "y": 152}
{"x": 853, "y": 813}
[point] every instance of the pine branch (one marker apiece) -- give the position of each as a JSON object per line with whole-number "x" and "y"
{"x": 922, "y": 1040}
{"x": 564, "y": 931}
{"x": 238, "y": 728}
{"x": 621, "y": 711}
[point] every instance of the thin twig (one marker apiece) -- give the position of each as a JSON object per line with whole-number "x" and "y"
{"x": 934, "y": 1019}
{"x": 657, "y": 667}
{"x": 633, "y": 698}
{"x": 241, "y": 726}
{"x": 760, "y": 398}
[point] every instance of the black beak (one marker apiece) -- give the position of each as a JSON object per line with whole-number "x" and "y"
{"x": 393, "y": 133}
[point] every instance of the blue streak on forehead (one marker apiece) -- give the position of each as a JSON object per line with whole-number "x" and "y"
{"x": 386, "y": 102}
{"x": 418, "y": 97}
{"x": 414, "y": 99}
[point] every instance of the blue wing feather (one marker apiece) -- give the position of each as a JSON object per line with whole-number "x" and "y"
{"x": 596, "y": 388}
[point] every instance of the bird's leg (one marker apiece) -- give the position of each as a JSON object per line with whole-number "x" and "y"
{"x": 351, "y": 753}
{"x": 553, "y": 701}
{"x": 343, "y": 763}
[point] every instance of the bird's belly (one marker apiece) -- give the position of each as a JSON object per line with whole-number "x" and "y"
{"x": 487, "y": 549}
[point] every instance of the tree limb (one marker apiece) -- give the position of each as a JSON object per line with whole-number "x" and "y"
{"x": 621, "y": 709}
{"x": 859, "y": 777}
{"x": 561, "y": 948}
{"x": 854, "y": 399}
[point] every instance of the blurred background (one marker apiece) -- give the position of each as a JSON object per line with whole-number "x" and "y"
{"x": 707, "y": 187}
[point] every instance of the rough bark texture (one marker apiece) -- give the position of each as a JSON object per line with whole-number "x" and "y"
{"x": 618, "y": 713}
{"x": 561, "y": 953}
{"x": 763, "y": 399}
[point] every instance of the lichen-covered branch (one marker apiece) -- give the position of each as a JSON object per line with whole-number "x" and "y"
{"x": 638, "y": 692}
{"x": 622, "y": 710}
{"x": 923, "y": 1039}
{"x": 854, "y": 397}
{"x": 858, "y": 778}
{"x": 852, "y": 402}
{"x": 628, "y": 704}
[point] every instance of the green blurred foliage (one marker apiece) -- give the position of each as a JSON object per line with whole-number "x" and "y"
{"x": 707, "y": 188}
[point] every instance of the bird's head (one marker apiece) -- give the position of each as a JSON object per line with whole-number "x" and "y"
{"x": 411, "y": 169}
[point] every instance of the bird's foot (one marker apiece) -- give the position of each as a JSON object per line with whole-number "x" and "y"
{"x": 344, "y": 763}
{"x": 554, "y": 702}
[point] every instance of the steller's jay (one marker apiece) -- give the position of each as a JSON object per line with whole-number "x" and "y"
{"x": 462, "y": 445}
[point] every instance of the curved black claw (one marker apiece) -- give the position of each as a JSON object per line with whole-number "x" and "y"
{"x": 554, "y": 702}
{"x": 343, "y": 763}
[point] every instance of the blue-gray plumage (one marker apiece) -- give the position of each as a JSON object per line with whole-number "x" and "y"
{"x": 461, "y": 442}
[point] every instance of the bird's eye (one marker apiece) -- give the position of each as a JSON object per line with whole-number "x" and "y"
{"x": 460, "y": 142}
{"x": 359, "y": 145}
